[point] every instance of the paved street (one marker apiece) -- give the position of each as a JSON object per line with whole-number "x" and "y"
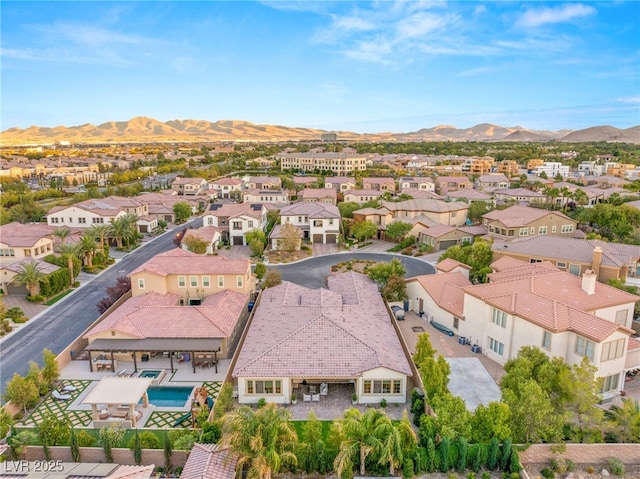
{"x": 313, "y": 272}
{"x": 66, "y": 320}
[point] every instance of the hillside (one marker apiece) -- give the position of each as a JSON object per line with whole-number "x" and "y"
{"x": 143, "y": 129}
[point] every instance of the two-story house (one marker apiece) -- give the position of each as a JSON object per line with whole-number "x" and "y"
{"x": 318, "y": 222}
{"x": 85, "y": 214}
{"x": 446, "y": 184}
{"x": 492, "y": 182}
{"x": 273, "y": 197}
{"x": 264, "y": 183}
{"x": 421, "y": 183}
{"x": 328, "y": 196}
{"x": 190, "y": 186}
{"x": 19, "y": 241}
{"x": 226, "y": 187}
{"x": 235, "y": 220}
{"x": 340, "y": 183}
{"x": 520, "y": 195}
{"x": 362, "y": 196}
{"x": 522, "y": 221}
{"x": 384, "y": 184}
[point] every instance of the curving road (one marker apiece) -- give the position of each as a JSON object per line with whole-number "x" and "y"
{"x": 313, "y": 272}
{"x": 63, "y": 322}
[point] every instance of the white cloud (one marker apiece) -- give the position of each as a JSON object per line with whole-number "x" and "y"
{"x": 560, "y": 14}
{"x": 352, "y": 23}
{"x": 420, "y": 24}
{"x": 629, "y": 99}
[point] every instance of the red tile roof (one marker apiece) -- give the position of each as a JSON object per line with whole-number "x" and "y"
{"x": 446, "y": 290}
{"x": 178, "y": 261}
{"x": 208, "y": 461}
{"x": 336, "y": 333}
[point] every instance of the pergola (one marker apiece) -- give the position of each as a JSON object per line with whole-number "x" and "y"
{"x": 155, "y": 345}
{"x": 119, "y": 391}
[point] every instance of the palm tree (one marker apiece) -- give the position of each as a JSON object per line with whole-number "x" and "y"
{"x": 263, "y": 439}
{"x": 61, "y": 233}
{"x": 29, "y": 274}
{"x": 123, "y": 229}
{"x": 364, "y": 435}
{"x": 88, "y": 247}
{"x": 625, "y": 420}
{"x": 552, "y": 194}
{"x": 581, "y": 197}
{"x": 100, "y": 232}
{"x": 399, "y": 439}
{"x": 69, "y": 251}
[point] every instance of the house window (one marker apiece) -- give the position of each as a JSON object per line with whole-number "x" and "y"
{"x": 499, "y": 317}
{"x": 239, "y": 281}
{"x": 561, "y": 265}
{"x": 567, "y": 229}
{"x": 182, "y": 282}
{"x": 546, "y": 340}
{"x": 7, "y": 252}
{"x": 330, "y": 221}
{"x": 496, "y": 346}
{"x": 27, "y": 252}
{"x": 621, "y": 317}
{"x": 612, "y": 350}
{"x": 609, "y": 383}
{"x": 553, "y": 229}
{"x": 264, "y": 387}
{"x": 70, "y": 220}
{"x": 140, "y": 283}
{"x": 193, "y": 281}
{"x": 250, "y": 223}
{"x": 82, "y": 220}
{"x": 455, "y": 323}
{"x": 453, "y": 214}
{"x": 584, "y": 347}
{"x": 384, "y": 386}
{"x": 210, "y": 221}
{"x": 206, "y": 282}
{"x": 574, "y": 269}
{"x": 237, "y": 225}
{"x": 54, "y": 220}
{"x": 97, "y": 220}
{"x": 511, "y": 232}
{"x": 535, "y": 260}
{"x": 542, "y": 230}
{"x": 532, "y": 230}
{"x": 524, "y": 231}
{"x": 220, "y": 281}
{"x": 466, "y": 240}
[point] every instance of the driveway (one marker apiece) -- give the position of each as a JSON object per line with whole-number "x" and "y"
{"x": 313, "y": 272}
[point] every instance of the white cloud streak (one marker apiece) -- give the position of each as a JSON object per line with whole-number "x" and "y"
{"x": 561, "y": 14}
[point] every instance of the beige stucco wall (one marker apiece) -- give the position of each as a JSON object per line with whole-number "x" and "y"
{"x": 610, "y": 313}
{"x": 381, "y": 374}
{"x": 415, "y": 292}
{"x": 169, "y": 284}
{"x": 70, "y": 217}
{"x": 282, "y": 398}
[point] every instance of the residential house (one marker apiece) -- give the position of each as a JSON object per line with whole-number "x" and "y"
{"x": 552, "y": 169}
{"x": 305, "y": 181}
{"x": 520, "y": 195}
{"x": 341, "y": 164}
{"x": 313, "y": 342}
{"x": 521, "y": 221}
{"x": 422, "y": 194}
{"x": 492, "y": 182}
{"x": 508, "y": 167}
{"x": 8, "y": 271}
{"x": 190, "y": 275}
{"x": 340, "y": 183}
{"x": 160, "y": 205}
{"x": 478, "y": 166}
{"x": 441, "y": 237}
{"x": 328, "y": 196}
{"x": 264, "y": 183}
{"x": 362, "y": 196}
{"x": 536, "y": 305}
{"x": 590, "y": 168}
{"x": 446, "y": 184}
{"x": 450, "y": 265}
{"x": 453, "y": 213}
{"x": 609, "y": 182}
{"x": 210, "y": 461}
{"x": 235, "y": 220}
{"x": 422, "y": 183}
{"x": 319, "y": 222}
{"x": 606, "y": 260}
{"x": 278, "y": 238}
{"x": 533, "y": 164}
{"x": 19, "y": 241}
{"x": 209, "y": 234}
{"x": 380, "y": 184}
{"x": 469, "y": 196}
{"x": 190, "y": 186}
{"x": 86, "y": 213}
{"x": 275, "y": 197}
{"x": 227, "y": 187}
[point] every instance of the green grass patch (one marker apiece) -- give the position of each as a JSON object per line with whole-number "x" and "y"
{"x": 55, "y": 299}
{"x": 299, "y": 427}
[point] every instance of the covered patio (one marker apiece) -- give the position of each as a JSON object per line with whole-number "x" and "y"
{"x": 115, "y": 399}
{"x": 104, "y": 354}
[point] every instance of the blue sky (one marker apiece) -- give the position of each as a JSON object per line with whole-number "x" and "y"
{"x": 366, "y": 67}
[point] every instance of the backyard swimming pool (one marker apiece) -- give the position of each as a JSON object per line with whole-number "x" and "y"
{"x": 169, "y": 396}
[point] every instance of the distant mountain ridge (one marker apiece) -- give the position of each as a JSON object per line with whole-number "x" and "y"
{"x": 150, "y": 130}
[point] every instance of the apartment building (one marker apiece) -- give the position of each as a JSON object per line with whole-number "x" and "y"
{"x": 340, "y": 164}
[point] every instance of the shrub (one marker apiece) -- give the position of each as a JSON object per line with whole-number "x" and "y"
{"x": 383, "y": 403}
{"x": 15, "y": 313}
{"x": 547, "y": 473}
{"x": 21, "y": 320}
{"x": 616, "y": 467}
{"x": 262, "y": 402}
{"x": 486, "y": 475}
{"x": 85, "y": 439}
{"x": 590, "y": 470}
{"x": 148, "y": 440}
{"x": 38, "y": 298}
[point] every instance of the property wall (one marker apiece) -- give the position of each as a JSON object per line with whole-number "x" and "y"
{"x": 415, "y": 292}
{"x": 121, "y": 456}
{"x": 582, "y": 453}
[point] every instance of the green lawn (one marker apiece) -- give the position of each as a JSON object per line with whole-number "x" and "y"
{"x": 55, "y": 299}
{"x": 299, "y": 426}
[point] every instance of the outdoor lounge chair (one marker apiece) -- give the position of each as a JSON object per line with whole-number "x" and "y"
{"x": 60, "y": 397}
{"x": 69, "y": 388}
{"x": 306, "y": 397}
{"x": 315, "y": 397}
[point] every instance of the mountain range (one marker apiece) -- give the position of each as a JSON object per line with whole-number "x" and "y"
{"x": 143, "y": 129}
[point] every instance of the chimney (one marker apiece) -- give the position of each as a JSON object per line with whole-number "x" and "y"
{"x": 589, "y": 282}
{"x": 596, "y": 260}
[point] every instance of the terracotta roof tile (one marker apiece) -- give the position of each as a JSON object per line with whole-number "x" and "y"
{"x": 446, "y": 290}
{"x": 178, "y": 261}
{"x": 449, "y": 264}
{"x": 209, "y": 461}
{"x": 519, "y": 215}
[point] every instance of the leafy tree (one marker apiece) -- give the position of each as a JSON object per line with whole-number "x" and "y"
{"x": 21, "y": 392}
{"x": 399, "y": 441}
{"x": 585, "y": 418}
{"x": 477, "y": 209}
{"x": 69, "y": 251}
{"x": 363, "y": 230}
{"x": 114, "y": 292}
{"x": 532, "y": 415}
{"x": 6, "y": 421}
{"x": 29, "y": 274}
{"x": 101, "y": 233}
{"x": 53, "y": 431}
{"x": 492, "y": 420}
{"x": 312, "y": 455}
{"x": 434, "y": 371}
{"x": 624, "y": 421}
{"x": 397, "y": 230}
{"x": 110, "y": 437}
{"x": 35, "y": 376}
{"x": 453, "y": 418}
{"x": 74, "y": 445}
{"x": 290, "y": 240}
{"x": 182, "y": 212}
{"x": 168, "y": 451}
{"x": 395, "y": 289}
{"x": 263, "y": 439}
{"x": 145, "y": 440}
{"x": 62, "y": 233}
{"x": 382, "y": 272}
{"x": 260, "y": 270}
{"x": 347, "y": 208}
{"x": 272, "y": 278}
{"x": 196, "y": 244}
{"x": 27, "y": 212}
{"x": 256, "y": 239}
{"x": 477, "y": 255}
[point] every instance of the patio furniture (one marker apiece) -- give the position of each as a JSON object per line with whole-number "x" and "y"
{"x": 315, "y": 397}
{"x": 69, "y": 388}
{"x": 306, "y": 397}
{"x": 60, "y": 397}
{"x": 324, "y": 389}
{"x": 104, "y": 414}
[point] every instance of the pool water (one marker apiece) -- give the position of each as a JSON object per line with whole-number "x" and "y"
{"x": 148, "y": 373}
{"x": 169, "y": 396}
